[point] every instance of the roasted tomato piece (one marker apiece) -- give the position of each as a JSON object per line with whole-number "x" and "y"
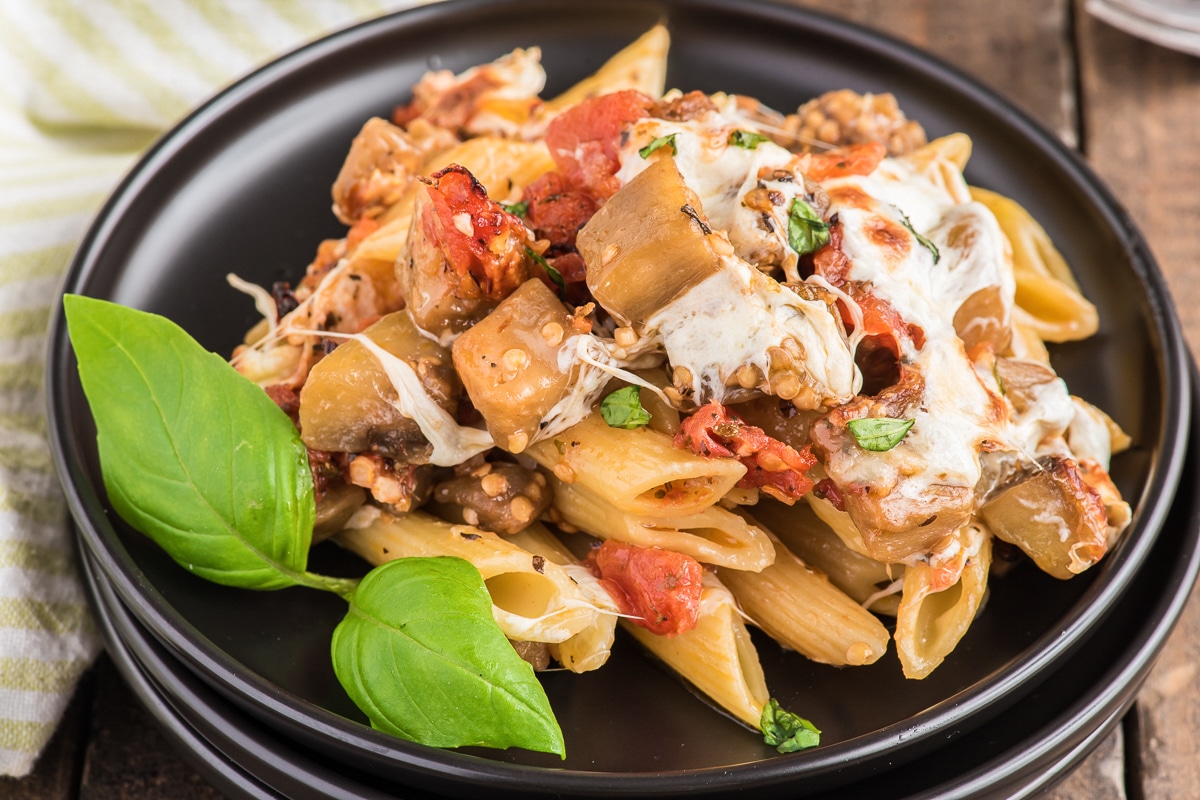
{"x": 829, "y": 262}
{"x": 557, "y": 210}
{"x": 478, "y": 237}
{"x": 855, "y": 159}
{"x": 585, "y": 140}
{"x": 659, "y": 588}
{"x": 777, "y": 468}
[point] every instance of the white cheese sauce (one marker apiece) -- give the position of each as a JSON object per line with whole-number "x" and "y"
{"x": 733, "y": 317}
{"x": 879, "y": 214}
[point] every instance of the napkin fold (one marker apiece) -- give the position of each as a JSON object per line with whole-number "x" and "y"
{"x": 85, "y": 87}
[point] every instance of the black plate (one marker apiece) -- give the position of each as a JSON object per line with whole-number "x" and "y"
{"x": 1018, "y": 755}
{"x": 242, "y": 186}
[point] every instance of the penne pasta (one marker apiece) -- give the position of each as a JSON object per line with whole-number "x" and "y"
{"x": 932, "y": 617}
{"x": 589, "y": 649}
{"x": 717, "y": 656}
{"x": 639, "y": 471}
{"x": 805, "y": 534}
{"x": 1047, "y": 293}
{"x": 533, "y": 599}
{"x": 817, "y": 620}
{"x": 712, "y": 536}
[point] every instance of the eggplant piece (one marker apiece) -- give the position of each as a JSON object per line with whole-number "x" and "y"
{"x": 496, "y": 496}
{"x": 348, "y": 403}
{"x": 463, "y": 256}
{"x": 1053, "y": 515}
{"x": 655, "y": 264}
{"x": 648, "y": 245}
{"x": 508, "y": 363}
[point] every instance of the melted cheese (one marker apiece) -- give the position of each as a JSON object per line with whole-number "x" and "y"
{"x": 957, "y": 411}
{"x": 452, "y": 443}
{"x": 721, "y": 174}
{"x": 735, "y": 316}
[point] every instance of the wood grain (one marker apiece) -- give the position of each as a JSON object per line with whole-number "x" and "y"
{"x": 1134, "y": 110}
{"x": 1141, "y": 118}
{"x": 128, "y": 757}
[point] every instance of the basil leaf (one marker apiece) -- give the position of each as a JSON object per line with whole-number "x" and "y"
{"x": 928, "y": 245}
{"x": 516, "y": 209}
{"x": 194, "y": 455}
{"x": 554, "y": 274}
{"x": 747, "y": 139}
{"x": 662, "y": 141}
{"x": 879, "y": 434}
{"x": 785, "y": 731}
{"x": 421, "y": 655}
{"x": 623, "y": 409}
{"x": 807, "y": 232}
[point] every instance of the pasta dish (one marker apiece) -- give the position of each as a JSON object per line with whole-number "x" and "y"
{"x": 680, "y": 363}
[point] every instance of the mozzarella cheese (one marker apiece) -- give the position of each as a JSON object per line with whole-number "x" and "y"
{"x": 735, "y": 317}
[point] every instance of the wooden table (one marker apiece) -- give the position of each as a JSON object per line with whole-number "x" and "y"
{"x": 1133, "y": 109}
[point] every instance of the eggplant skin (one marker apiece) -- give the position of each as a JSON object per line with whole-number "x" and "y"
{"x": 508, "y": 363}
{"x": 347, "y": 405}
{"x": 647, "y": 245}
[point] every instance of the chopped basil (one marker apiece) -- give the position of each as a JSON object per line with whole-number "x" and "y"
{"x": 623, "y": 409}
{"x": 660, "y": 142}
{"x": 554, "y": 274}
{"x": 928, "y": 245}
{"x": 785, "y": 731}
{"x": 807, "y": 232}
{"x": 747, "y": 139}
{"x": 517, "y": 209}
{"x": 879, "y": 434}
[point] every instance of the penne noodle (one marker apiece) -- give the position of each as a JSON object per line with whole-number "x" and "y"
{"x": 798, "y": 607}
{"x": 504, "y": 167}
{"x": 1046, "y": 289}
{"x": 641, "y": 66}
{"x": 932, "y": 620}
{"x": 589, "y": 649}
{"x": 712, "y": 536}
{"x": 639, "y": 471}
{"x": 839, "y": 522}
{"x": 533, "y": 598}
{"x": 801, "y": 531}
{"x": 717, "y": 656}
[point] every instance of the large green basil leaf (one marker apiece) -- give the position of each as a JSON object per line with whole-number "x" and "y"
{"x": 194, "y": 455}
{"x": 420, "y": 654}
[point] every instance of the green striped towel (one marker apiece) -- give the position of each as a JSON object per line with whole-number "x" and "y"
{"x": 85, "y": 86}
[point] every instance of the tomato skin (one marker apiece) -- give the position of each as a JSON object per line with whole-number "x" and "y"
{"x": 660, "y": 589}
{"x": 493, "y": 256}
{"x": 585, "y": 140}
{"x": 774, "y": 466}
{"x": 557, "y": 210}
{"x": 854, "y": 159}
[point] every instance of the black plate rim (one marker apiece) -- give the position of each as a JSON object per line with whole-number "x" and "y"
{"x": 1161, "y": 482}
{"x": 1020, "y": 769}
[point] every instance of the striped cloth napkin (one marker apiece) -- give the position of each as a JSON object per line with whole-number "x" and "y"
{"x": 85, "y": 86}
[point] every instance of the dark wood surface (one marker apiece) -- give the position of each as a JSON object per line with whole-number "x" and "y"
{"x": 1133, "y": 109}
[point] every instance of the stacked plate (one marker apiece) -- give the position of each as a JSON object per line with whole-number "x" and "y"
{"x": 1170, "y": 23}
{"x": 243, "y": 679}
